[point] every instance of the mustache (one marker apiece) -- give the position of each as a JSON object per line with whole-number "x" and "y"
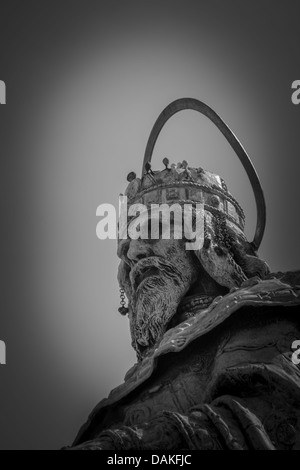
{"x": 152, "y": 266}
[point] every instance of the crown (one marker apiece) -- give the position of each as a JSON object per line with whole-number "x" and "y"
{"x": 183, "y": 184}
{"x": 179, "y": 184}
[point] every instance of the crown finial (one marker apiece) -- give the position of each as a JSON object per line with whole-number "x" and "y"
{"x": 184, "y": 164}
{"x": 148, "y": 168}
{"x": 166, "y": 162}
{"x": 131, "y": 176}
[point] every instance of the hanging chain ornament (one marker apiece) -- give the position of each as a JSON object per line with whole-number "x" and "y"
{"x": 123, "y": 310}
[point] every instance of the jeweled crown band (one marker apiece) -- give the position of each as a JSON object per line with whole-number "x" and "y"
{"x": 214, "y": 200}
{"x": 183, "y": 184}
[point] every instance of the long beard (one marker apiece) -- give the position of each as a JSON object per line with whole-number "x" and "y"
{"x": 154, "y": 303}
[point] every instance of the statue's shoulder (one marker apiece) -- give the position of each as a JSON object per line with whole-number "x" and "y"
{"x": 289, "y": 277}
{"x": 277, "y": 289}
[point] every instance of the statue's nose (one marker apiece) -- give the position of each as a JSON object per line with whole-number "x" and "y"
{"x": 139, "y": 249}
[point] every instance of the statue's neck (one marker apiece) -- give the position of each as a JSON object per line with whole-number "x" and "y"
{"x": 199, "y": 297}
{"x": 206, "y": 285}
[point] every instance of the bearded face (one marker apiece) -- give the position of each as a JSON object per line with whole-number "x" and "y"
{"x": 156, "y": 274}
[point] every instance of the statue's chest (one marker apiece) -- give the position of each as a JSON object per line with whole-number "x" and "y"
{"x": 177, "y": 386}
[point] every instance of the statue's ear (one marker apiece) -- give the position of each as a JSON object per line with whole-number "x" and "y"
{"x": 227, "y": 256}
{"x": 220, "y": 265}
{"x": 246, "y": 257}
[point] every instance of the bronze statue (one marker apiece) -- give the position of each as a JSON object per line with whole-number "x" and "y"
{"x": 212, "y": 328}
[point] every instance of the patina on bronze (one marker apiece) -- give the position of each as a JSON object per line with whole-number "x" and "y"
{"x": 212, "y": 328}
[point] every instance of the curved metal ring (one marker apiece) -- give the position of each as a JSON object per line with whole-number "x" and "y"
{"x": 196, "y": 105}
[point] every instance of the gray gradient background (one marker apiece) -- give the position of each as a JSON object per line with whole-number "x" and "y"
{"x": 85, "y": 82}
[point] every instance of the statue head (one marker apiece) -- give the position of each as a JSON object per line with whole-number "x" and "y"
{"x": 163, "y": 280}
